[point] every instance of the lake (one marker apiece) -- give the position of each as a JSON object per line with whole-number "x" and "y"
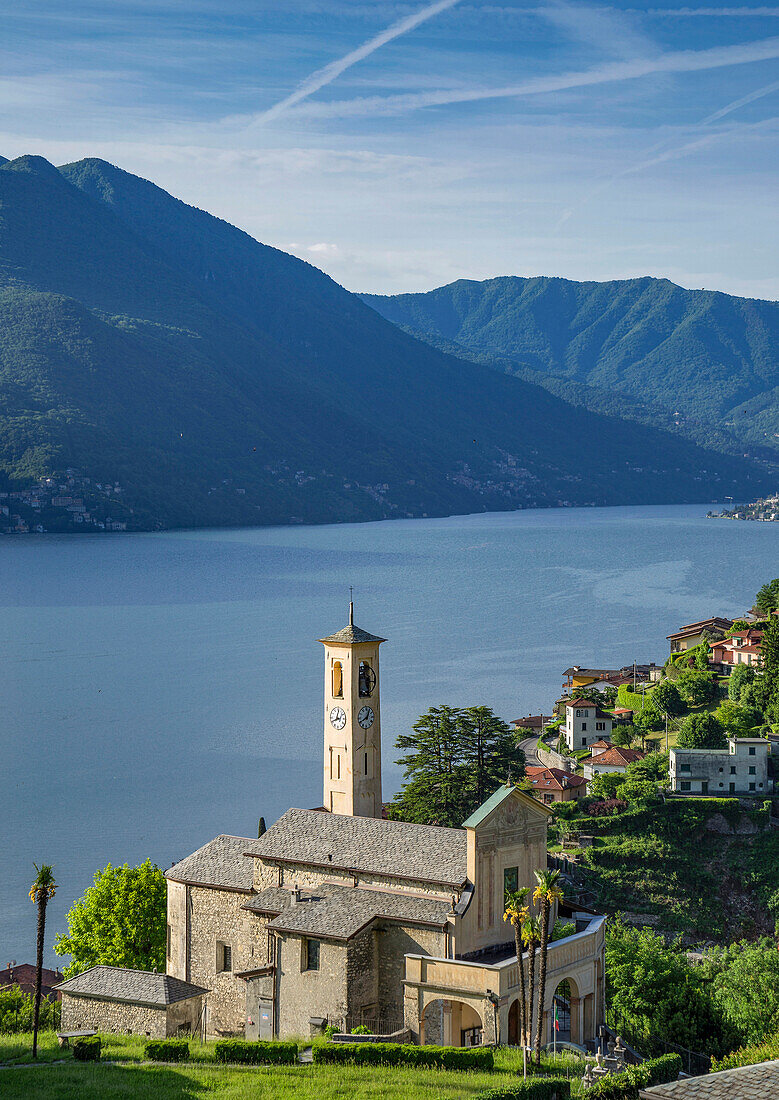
{"x": 159, "y": 689}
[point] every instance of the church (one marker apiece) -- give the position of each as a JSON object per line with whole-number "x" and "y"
{"x": 337, "y": 916}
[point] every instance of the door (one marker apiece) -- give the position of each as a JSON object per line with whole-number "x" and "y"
{"x": 259, "y": 1011}
{"x": 704, "y": 787}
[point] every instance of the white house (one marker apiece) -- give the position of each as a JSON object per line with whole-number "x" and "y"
{"x": 741, "y": 768}
{"x": 585, "y": 723}
{"x": 612, "y": 760}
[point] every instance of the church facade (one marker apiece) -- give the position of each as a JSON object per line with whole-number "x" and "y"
{"x": 338, "y": 916}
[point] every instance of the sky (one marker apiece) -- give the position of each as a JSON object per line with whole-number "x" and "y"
{"x": 401, "y": 146}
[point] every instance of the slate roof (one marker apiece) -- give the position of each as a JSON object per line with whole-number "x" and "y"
{"x": 398, "y": 849}
{"x": 351, "y": 635}
{"x": 222, "y": 863}
{"x": 115, "y": 983}
{"x": 338, "y": 912}
{"x": 760, "y": 1082}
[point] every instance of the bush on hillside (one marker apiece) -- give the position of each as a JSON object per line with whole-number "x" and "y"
{"x": 607, "y": 807}
{"x": 404, "y": 1054}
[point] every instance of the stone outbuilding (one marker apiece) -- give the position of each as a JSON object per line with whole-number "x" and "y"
{"x": 138, "y": 1002}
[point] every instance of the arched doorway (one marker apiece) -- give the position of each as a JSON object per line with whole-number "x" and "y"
{"x": 451, "y": 1023}
{"x": 562, "y": 1007}
{"x": 514, "y": 1036}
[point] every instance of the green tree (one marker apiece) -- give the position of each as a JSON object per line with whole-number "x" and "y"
{"x": 546, "y": 893}
{"x": 738, "y": 720}
{"x": 531, "y": 937}
{"x": 637, "y": 790}
{"x": 738, "y": 679}
{"x": 696, "y": 687}
{"x": 625, "y": 736}
{"x": 701, "y": 731}
{"x": 656, "y": 994}
{"x": 605, "y": 785}
{"x": 667, "y": 698}
{"x": 516, "y": 913}
{"x": 702, "y": 657}
{"x": 120, "y": 921}
{"x": 454, "y": 760}
{"x": 42, "y": 891}
{"x": 746, "y": 988}
{"x": 490, "y": 752}
{"x": 653, "y": 767}
{"x": 766, "y": 686}
{"x": 767, "y": 599}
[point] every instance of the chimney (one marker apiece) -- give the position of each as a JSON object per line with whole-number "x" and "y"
{"x": 295, "y": 899}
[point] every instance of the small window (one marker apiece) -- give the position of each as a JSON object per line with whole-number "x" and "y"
{"x": 600, "y": 725}
{"x": 686, "y": 785}
{"x": 167, "y": 940}
{"x": 732, "y": 771}
{"x": 366, "y": 763}
{"x": 684, "y": 767}
{"x": 311, "y": 955}
{"x": 584, "y": 740}
{"x": 752, "y": 770}
{"x": 338, "y": 680}
{"x": 751, "y": 750}
{"x": 751, "y": 786}
{"x": 721, "y": 771}
{"x": 510, "y": 880}
{"x": 732, "y": 788}
{"x": 578, "y": 714}
{"x": 584, "y": 725}
{"x": 224, "y": 958}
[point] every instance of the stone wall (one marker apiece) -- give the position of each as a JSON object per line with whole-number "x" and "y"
{"x": 88, "y": 1013}
{"x": 217, "y": 916}
{"x": 305, "y": 993}
{"x": 394, "y": 943}
{"x": 551, "y": 759}
{"x": 362, "y": 973}
{"x": 306, "y": 875}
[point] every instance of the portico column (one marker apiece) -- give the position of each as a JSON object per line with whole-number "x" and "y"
{"x": 576, "y": 1020}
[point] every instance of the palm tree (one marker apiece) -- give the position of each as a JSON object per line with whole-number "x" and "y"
{"x": 531, "y": 935}
{"x": 41, "y": 892}
{"x": 516, "y": 912}
{"x": 546, "y": 892}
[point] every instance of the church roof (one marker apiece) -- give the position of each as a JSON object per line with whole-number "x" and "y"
{"x": 508, "y": 790}
{"x": 115, "y": 983}
{"x": 397, "y": 849}
{"x": 351, "y": 635}
{"x": 340, "y": 912}
{"x": 222, "y": 863}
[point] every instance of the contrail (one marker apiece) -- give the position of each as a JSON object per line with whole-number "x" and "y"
{"x": 330, "y": 72}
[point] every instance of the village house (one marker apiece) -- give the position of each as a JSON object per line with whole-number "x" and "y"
{"x": 555, "y": 785}
{"x": 533, "y": 723}
{"x": 140, "y": 1002}
{"x": 585, "y": 723}
{"x": 23, "y": 975}
{"x": 600, "y": 678}
{"x": 336, "y": 915}
{"x": 691, "y": 635}
{"x": 607, "y": 759}
{"x": 743, "y": 647}
{"x": 741, "y": 768}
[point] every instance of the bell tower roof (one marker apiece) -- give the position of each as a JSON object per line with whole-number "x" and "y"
{"x": 351, "y": 634}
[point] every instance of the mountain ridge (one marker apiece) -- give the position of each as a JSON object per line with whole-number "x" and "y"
{"x": 146, "y": 341}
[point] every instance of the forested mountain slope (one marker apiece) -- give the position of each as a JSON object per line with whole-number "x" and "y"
{"x": 699, "y": 360}
{"x": 223, "y": 381}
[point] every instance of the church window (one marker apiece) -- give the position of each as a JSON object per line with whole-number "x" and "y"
{"x": 224, "y": 958}
{"x": 366, "y": 763}
{"x": 311, "y": 955}
{"x": 366, "y": 680}
{"x": 338, "y": 765}
{"x": 510, "y": 880}
{"x": 338, "y": 680}
{"x": 167, "y": 940}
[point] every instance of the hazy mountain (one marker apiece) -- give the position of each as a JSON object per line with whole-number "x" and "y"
{"x": 145, "y": 341}
{"x": 704, "y": 362}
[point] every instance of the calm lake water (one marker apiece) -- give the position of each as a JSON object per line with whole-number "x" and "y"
{"x": 156, "y": 690}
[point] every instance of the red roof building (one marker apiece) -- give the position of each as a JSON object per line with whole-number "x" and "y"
{"x": 23, "y": 975}
{"x": 555, "y": 785}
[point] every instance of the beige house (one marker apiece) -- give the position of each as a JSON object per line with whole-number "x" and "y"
{"x": 585, "y": 723}
{"x": 692, "y": 634}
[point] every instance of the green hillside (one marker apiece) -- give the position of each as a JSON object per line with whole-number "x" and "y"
{"x": 700, "y": 361}
{"x": 219, "y": 380}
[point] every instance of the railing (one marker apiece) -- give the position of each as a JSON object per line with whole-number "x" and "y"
{"x": 694, "y": 1062}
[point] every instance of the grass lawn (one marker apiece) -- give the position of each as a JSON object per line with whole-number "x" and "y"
{"x": 71, "y": 1080}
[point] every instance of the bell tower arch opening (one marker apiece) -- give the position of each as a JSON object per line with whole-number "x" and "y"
{"x": 352, "y": 722}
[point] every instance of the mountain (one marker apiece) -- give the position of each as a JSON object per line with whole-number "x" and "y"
{"x": 221, "y": 381}
{"x": 695, "y": 360}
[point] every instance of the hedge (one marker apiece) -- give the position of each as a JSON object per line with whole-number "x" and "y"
{"x": 267, "y": 1052}
{"x": 87, "y": 1048}
{"x": 167, "y": 1050}
{"x": 536, "y": 1088}
{"x": 404, "y": 1054}
{"x": 625, "y": 1085}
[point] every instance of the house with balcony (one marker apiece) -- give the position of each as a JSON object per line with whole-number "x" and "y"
{"x": 585, "y": 723}
{"x": 739, "y": 769}
{"x": 692, "y": 634}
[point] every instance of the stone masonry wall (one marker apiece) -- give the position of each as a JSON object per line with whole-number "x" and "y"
{"x": 87, "y": 1013}
{"x": 305, "y": 993}
{"x": 362, "y": 978}
{"x": 217, "y": 917}
{"x": 395, "y": 941}
{"x": 304, "y": 875}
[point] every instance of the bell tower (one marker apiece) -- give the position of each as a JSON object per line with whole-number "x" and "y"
{"x": 352, "y": 764}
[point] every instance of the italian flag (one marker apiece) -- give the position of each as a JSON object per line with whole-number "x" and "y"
{"x": 556, "y": 1020}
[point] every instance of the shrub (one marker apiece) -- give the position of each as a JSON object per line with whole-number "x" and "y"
{"x": 606, "y": 807}
{"x": 167, "y": 1050}
{"x": 748, "y": 1056}
{"x": 87, "y": 1048}
{"x": 260, "y": 1052}
{"x": 361, "y": 1029}
{"x": 404, "y": 1054}
{"x": 540, "y": 1088}
{"x": 625, "y": 1086}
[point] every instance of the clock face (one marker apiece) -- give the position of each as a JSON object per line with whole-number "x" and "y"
{"x": 338, "y": 717}
{"x": 365, "y": 718}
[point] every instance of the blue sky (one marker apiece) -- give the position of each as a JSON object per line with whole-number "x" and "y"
{"x": 399, "y": 146}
